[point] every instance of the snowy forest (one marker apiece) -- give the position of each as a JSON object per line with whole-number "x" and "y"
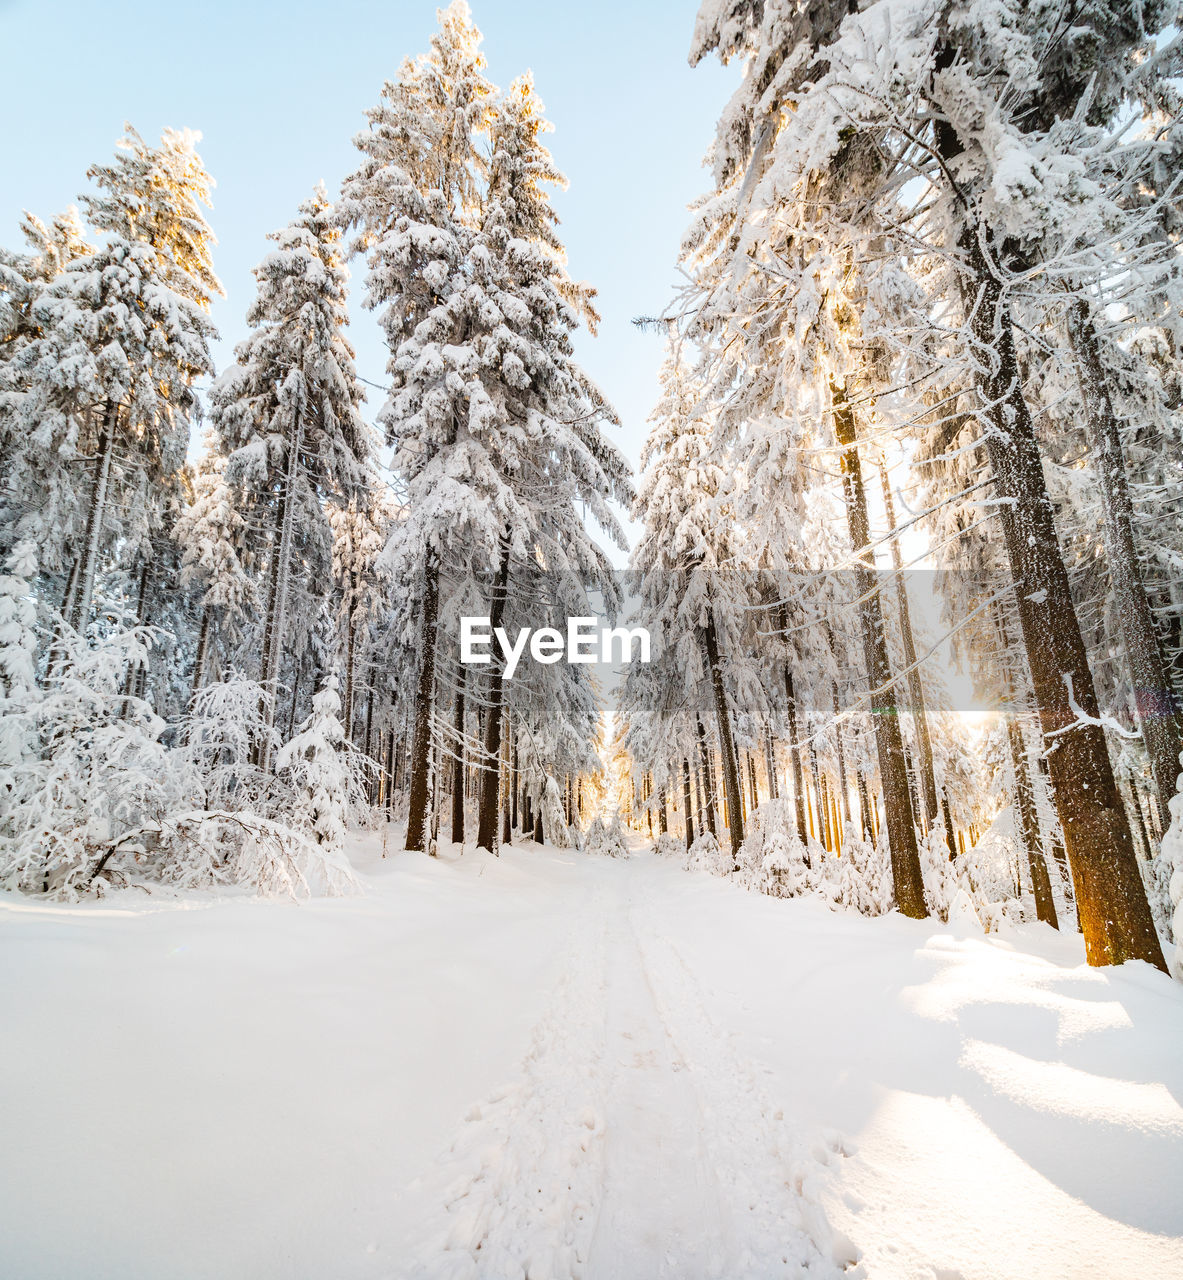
{"x": 960, "y": 286}
{"x": 919, "y": 420}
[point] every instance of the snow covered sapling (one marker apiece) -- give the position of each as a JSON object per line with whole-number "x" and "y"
{"x": 318, "y": 765}
{"x": 554, "y": 821}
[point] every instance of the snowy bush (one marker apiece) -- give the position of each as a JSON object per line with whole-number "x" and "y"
{"x": 987, "y": 872}
{"x": 224, "y": 733}
{"x": 1156, "y": 878}
{"x": 705, "y": 854}
{"x": 86, "y": 793}
{"x": 607, "y": 836}
{"x": 940, "y": 876}
{"x": 316, "y": 761}
{"x": 91, "y": 796}
{"x": 772, "y": 857}
{"x": 668, "y": 846}
{"x": 1171, "y": 855}
{"x": 554, "y": 820}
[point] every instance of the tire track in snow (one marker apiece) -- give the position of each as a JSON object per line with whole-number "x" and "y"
{"x": 661, "y": 1217}
{"x": 768, "y": 1178}
{"x": 636, "y": 1143}
{"x": 519, "y": 1189}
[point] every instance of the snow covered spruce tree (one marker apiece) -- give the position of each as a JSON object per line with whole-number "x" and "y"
{"x": 286, "y": 418}
{"x": 927, "y": 101}
{"x": 496, "y": 431}
{"x": 103, "y": 380}
{"x": 24, "y": 278}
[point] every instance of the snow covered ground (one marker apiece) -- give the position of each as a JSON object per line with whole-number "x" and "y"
{"x": 552, "y": 1065}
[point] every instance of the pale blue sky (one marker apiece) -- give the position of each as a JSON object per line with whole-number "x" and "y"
{"x": 278, "y": 90}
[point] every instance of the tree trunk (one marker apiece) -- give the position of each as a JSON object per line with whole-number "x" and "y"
{"x": 795, "y": 749}
{"x": 843, "y": 788}
{"x": 486, "y": 837}
{"x": 707, "y": 776}
{"x": 864, "y": 804}
{"x": 458, "y": 764}
{"x": 202, "y": 657}
{"x": 688, "y": 817}
{"x": 350, "y": 659}
{"x": 1154, "y": 700}
{"x": 131, "y": 679}
{"x": 915, "y": 686}
{"x": 1028, "y": 823}
{"x": 506, "y": 787}
{"x": 889, "y": 744}
{"x": 726, "y": 745}
{"x": 424, "y": 696}
{"x": 79, "y": 614}
{"x": 1114, "y": 913}
{"x": 770, "y": 764}
{"x": 280, "y": 575}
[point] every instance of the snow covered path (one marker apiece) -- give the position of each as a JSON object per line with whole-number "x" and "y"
{"x": 550, "y": 1065}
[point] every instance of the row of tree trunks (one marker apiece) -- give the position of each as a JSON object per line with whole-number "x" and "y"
{"x": 916, "y": 701}
{"x": 1114, "y": 913}
{"x": 1155, "y": 704}
{"x": 893, "y": 771}
{"x": 794, "y": 740}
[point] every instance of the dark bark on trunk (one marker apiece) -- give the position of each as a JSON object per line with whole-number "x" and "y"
{"x": 889, "y": 744}
{"x": 1154, "y": 700}
{"x": 458, "y": 765}
{"x": 689, "y": 817}
{"x": 726, "y": 744}
{"x": 424, "y": 696}
{"x": 864, "y": 804}
{"x": 950, "y": 833}
{"x": 707, "y": 779}
{"x": 770, "y": 764}
{"x": 506, "y": 783}
{"x": 487, "y": 824}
